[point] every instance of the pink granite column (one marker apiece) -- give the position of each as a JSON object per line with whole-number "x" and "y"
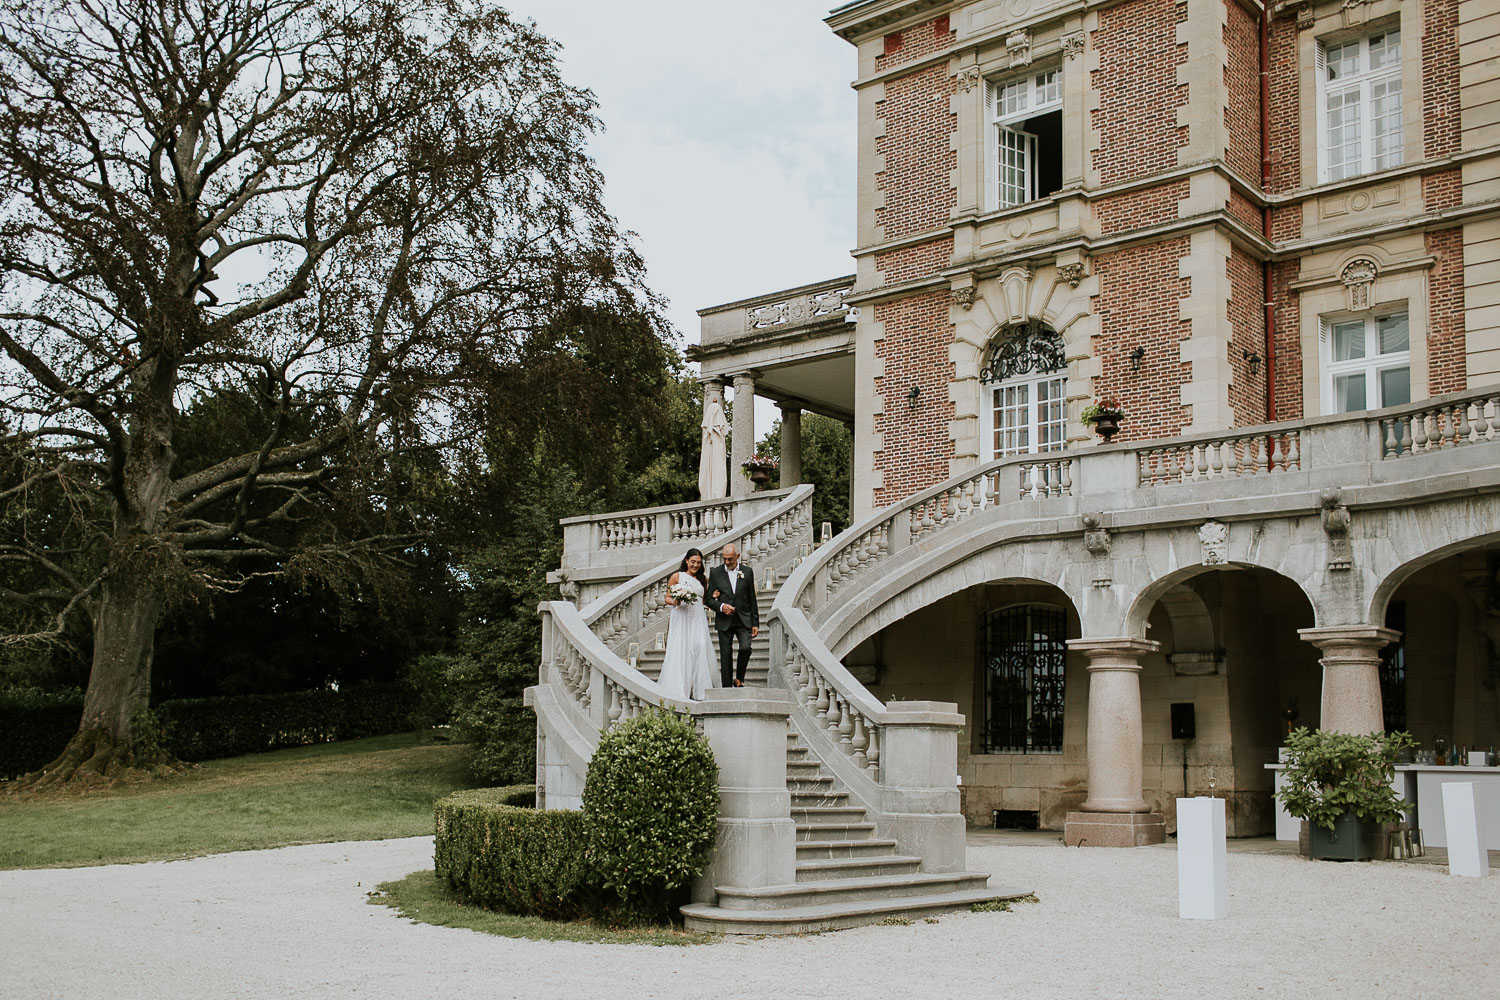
{"x": 1351, "y": 676}
{"x": 1114, "y": 814}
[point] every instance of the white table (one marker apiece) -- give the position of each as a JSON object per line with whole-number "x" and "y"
{"x": 1430, "y": 780}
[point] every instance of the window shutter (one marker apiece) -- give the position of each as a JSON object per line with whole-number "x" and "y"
{"x": 991, "y": 134}
{"x": 1320, "y": 99}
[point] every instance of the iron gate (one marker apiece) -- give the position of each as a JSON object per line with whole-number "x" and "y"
{"x": 1025, "y": 653}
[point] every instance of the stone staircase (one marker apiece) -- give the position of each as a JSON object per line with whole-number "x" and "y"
{"x": 846, "y": 875}
{"x": 650, "y": 661}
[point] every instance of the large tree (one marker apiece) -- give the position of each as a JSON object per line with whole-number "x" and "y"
{"x": 345, "y": 212}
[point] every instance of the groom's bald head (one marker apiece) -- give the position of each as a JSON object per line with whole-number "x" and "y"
{"x": 731, "y": 555}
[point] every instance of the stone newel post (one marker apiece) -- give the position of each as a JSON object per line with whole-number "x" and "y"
{"x": 757, "y": 845}
{"x": 1351, "y": 676}
{"x": 919, "y": 782}
{"x": 1114, "y": 814}
{"x": 742, "y": 442}
{"x": 791, "y": 445}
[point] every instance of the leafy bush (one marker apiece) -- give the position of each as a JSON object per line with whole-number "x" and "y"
{"x": 36, "y": 726}
{"x": 1328, "y": 774}
{"x": 650, "y": 809}
{"x": 498, "y": 853}
{"x": 207, "y": 728}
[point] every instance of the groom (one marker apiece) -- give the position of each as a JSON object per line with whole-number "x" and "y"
{"x": 736, "y": 615}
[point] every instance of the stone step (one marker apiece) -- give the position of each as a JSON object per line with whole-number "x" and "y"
{"x": 809, "y": 784}
{"x": 814, "y": 849}
{"x": 818, "y": 798}
{"x": 834, "y": 916}
{"x": 848, "y": 890}
{"x": 820, "y": 869}
{"x": 834, "y": 831}
{"x": 800, "y": 766}
{"x": 827, "y": 814}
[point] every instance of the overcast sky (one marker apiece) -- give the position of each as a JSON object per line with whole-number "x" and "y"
{"x": 730, "y": 138}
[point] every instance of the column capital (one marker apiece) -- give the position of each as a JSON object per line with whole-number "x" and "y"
{"x": 1351, "y": 637}
{"x": 712, "y": 381}
{"x": 788, "y": 405}
{"x": 749, "y": 375}
{"x": 1121, "y": 653}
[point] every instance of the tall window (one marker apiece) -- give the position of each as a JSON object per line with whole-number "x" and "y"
{"x": 1026, "y": 380}
{"x": 1025, "y": 120}
{"x": 1367, "y": 363}
{"x": 1360, "y": 105}
{"x": 1025, "y": 653}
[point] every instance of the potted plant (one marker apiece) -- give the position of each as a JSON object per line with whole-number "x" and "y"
{"x": 1340, "y": 783}
{"x": 759, "y": 469}
{"x": 1105, "y": 414}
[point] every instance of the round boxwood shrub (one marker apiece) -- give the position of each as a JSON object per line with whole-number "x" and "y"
{"x": 650, "y": 813}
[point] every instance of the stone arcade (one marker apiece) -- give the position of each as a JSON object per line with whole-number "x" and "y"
{"x": 1290, "y": 282}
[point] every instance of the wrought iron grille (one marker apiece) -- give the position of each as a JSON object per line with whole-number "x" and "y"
{"x": 1023, "y": 349}
{"x": 1025, "y": 653}
{"x": 1393, "y": 671}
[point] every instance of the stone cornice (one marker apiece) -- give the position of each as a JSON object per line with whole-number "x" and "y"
{"x": 862, "y": 17}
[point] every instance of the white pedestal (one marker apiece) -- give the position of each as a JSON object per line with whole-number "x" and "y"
{"x": 1464, "y": 820}
{"x": 1202, "y": 886}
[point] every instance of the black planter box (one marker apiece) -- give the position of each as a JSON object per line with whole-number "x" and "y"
{"x": 1349, "y": 840}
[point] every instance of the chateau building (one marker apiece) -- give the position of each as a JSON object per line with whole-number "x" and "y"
{"x": 1270, "y": 233}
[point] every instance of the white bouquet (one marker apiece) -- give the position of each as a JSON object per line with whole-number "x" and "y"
{"x": 683, "y": 594}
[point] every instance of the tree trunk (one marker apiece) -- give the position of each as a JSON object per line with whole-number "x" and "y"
{"x": 109, "y": 744}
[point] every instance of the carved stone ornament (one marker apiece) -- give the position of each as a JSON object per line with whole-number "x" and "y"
{"x": 1213, "y": 537}
{"x": 1021, "y": 349}
{"x": 1305, "y": 16}
{"x": 1358, "y": 275}
{"x": 1356, "y": 13}
{"x": 1072, "y": 45}
{"x": 568, "y": 588}
{"x": 1018, "y": 47}
{"x": 1336, "y": 522}
{"x": 1095, "y": 535}
{"x": 1072, "y": 273}
{"x": 963, "y": 297}
{"x": 968, "y": 78}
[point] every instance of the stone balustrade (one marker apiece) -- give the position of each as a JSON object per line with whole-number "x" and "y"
{"x": 1250, "y": 453}
{"x": 785, "y": 311}
{"x": 1437, "y": 424}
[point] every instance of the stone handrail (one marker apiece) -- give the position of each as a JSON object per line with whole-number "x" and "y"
{"x": 1445, "y": 422}
{"x": 1247, "y": 452}
{"x": 768, "y": 542}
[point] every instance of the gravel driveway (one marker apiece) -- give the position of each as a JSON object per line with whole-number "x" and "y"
{"x": 294, "y": 922}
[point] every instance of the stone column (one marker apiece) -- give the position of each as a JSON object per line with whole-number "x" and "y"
{"x": 757, "y": 844}
{"x": 919, "y": 782}
{"x": 1114, "y": 814}
{"x": 1351, "y": 676}
{"x": 791, "y": 444}
{"x": 742, "y": 445}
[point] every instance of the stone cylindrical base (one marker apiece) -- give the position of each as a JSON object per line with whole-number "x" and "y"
{"x": 1098, "y": 829}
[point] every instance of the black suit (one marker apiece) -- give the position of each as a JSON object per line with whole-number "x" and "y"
{"x": 734, "y": 626}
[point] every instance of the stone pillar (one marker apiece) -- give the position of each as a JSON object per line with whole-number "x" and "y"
{"x": 1351, "y": 676}
{"x": 742, "y": 444}
{"x": 919, "y": 782}
{"x": 1114, "y": 814}
{"x": 757, "y": 844}
{"x": 791, "y": 445}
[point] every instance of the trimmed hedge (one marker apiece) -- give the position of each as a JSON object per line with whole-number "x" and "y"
{"x": 650, "y": 808}
{"x": 497, "y": 853}
{"x": 37, "y": 726}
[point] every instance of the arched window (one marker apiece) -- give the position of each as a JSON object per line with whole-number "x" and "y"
{"x": 1025, "y": 379}
{"x": 1025, "y": 654}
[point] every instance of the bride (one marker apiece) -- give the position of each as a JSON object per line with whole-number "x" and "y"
{"x": 688, "y": 670}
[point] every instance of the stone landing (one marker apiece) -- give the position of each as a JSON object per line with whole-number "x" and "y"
{"x": 1097, "y": 829}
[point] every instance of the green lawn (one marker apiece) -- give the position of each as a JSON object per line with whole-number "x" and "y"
{"x": 358, "y": 790}
{"x": 420, "y": 897}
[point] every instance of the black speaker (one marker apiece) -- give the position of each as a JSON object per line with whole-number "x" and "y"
{"x": 1184, "y": 726}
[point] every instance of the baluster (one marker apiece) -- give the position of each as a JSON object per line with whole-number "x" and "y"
{"x": 1293, "y": 445}
{"x": 1278, "y": 459}
{"x": 832, "y": 716}
{"x": 860, "y": 741}
{"x": 927, "y": 522}
{"x": 1252, "y": 456}
{"x": 1388, "y": 444}
{"x": 1065, "y": 468}
{"x": 615, "y": 708}
{"x": 820, "y": 705}
{"x": 1419, "y": 432}
{"x": 1461, "y": 435}
{"x": 1481, "y": 425}
{"x": 873, "y": 754}
{"x": 964, "y": 502}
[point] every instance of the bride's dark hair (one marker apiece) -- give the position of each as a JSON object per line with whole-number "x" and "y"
{"x": 702, "y": 575}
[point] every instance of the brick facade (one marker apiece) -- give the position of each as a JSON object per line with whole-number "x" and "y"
{"x": 918, "y": 153}
{"x": 1247, "y": 323}
{"x": 915, "y": 444}
{"x": 1447, "y": 366}
{"x": 917, "y": 42}
{"x": 1140, "y": 208}
{"x": 1242, "y": 87}
{"x": 1137, "y": 306}
{"x": 1287, "y": 121}
{"x": 1440, "y": 109}
{"x": 1288, "y": 340}
{"x": 1138, "y": 90}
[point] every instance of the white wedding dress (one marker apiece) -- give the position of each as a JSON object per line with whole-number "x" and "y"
{"x": 689, "y": 667}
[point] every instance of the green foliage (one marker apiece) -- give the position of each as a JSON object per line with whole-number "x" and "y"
{"x": 1328, "y": 774}
{"x": 38, "y": 725}
{"x": 827, "y": 460}
{"x": 496, "y": 851}
{"x": 650, "y": 807}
